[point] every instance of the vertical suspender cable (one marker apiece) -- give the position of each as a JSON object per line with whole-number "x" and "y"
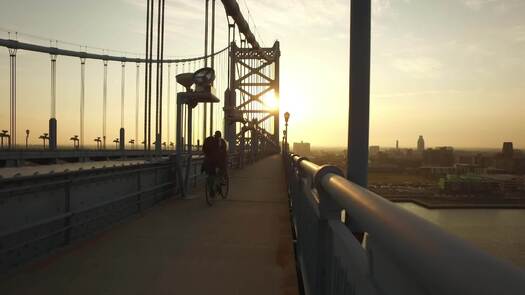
{"x": 12, "y": 94}
{"x": 52, "y": 120}
{"x": 212, "y": 57}
{"x": 150, "y": 67}
{"x": 229, "y": 52}
{"x": 146, "y": 73}
{"x": 137, "y": 104}
{"x": 157, "y": 80}
{"x": 176, "y": 90}
{"x": 207, "y": 3}
{"x": 104, "y": 104}
{"x": 53, "y": 85}
{"x": 219, "y": 94}
{"x": 82, "y": 98}
{"x": 169, "y": 105}
{"x": 161, "y": 68}
{"x": 183, "y": 120}
{"x": 122, "y": 93}
{"x": 193, "y": 127}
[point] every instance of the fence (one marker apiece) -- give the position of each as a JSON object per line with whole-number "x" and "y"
{"x": 352, "y": 241}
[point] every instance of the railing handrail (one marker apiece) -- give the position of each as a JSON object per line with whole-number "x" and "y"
{"x": 438, "y": 261}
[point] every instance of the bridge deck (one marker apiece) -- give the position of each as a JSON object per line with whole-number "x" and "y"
{"x": 239, "y": 246}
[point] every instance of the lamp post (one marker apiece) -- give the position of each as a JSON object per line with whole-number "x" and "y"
{"x": 116, "y": 141}
{"x": 286, "y": 118}
{"x": 27, "y": 138}
{"x": 132, "y": 142}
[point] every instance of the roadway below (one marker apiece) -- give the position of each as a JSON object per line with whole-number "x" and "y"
{"x": 242, "y": 245}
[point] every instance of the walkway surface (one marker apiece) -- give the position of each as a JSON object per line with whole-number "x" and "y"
{"x": 240, "y": 246}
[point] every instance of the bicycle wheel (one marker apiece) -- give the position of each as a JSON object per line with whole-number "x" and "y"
{"x": 225, "y": 187}
{"x": 210, "y": 190}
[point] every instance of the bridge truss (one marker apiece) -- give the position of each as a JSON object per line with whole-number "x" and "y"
{"x": 251, "y": 107}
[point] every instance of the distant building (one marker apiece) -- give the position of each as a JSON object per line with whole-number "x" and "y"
{"x": 439, "y": 157}
{"x": 301, "y": 148}
{"x": 373, "y": 150}
{"x": 421, "y": 144}
{"x": 510, "y": 160}
{"x": 508, "y": 150}
{"x": 481, "y": 184}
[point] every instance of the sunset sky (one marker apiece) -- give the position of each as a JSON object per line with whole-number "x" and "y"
{"x": 449, "y": 70}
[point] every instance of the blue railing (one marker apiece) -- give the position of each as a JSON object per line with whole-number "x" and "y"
{"x": 352, "y": 241}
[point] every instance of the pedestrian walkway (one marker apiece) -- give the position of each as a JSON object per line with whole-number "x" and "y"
{"x": 240, "y": 246}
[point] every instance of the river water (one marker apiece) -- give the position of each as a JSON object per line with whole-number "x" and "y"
{"x": 500, "y": 232}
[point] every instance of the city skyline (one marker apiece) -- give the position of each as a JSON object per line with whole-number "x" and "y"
{"x": 456, "y": 82}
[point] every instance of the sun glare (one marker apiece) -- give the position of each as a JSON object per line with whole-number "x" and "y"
{"x": 270, "y": 100}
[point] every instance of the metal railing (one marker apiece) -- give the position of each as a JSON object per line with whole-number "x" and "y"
{"x": 40, "y": 213}
{"x": 352, "y": 241}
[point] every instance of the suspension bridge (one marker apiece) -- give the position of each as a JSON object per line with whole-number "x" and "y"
{"x": 113, "y": 210}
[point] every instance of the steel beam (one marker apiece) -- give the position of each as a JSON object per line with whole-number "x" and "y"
{"x": 358, "y": 123}
{"x": 233, "y": 10}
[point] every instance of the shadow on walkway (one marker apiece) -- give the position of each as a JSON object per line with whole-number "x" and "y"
{"x": 240, "y": 246}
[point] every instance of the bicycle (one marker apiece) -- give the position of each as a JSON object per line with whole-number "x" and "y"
{"x": 216, "y": 183}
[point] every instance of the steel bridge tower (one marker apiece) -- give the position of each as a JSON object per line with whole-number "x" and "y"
{"x": 253, "y": 73}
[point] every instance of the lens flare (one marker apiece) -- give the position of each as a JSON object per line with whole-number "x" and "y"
{"x": 271, "y": 101}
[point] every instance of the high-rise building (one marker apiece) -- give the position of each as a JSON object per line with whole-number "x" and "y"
{"x": 421, "y": 144}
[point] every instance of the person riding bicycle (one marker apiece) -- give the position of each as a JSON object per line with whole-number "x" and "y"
{"x": 215, "y": 154}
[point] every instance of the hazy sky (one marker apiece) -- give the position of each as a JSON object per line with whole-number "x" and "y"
{"x": 450, "y": 70}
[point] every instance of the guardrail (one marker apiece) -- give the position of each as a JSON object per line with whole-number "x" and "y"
{"x": 352, "y": 241}
{"x": 41, "y": 212}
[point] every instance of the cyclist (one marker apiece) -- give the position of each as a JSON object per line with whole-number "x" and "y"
{"x": 215, "y": 155}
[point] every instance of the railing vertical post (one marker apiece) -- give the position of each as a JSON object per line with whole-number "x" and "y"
{"x": 328, "y": 210}
{"x": 358, "y": 124}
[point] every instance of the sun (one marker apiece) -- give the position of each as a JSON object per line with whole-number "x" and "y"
{"x": 270, "y": 100}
